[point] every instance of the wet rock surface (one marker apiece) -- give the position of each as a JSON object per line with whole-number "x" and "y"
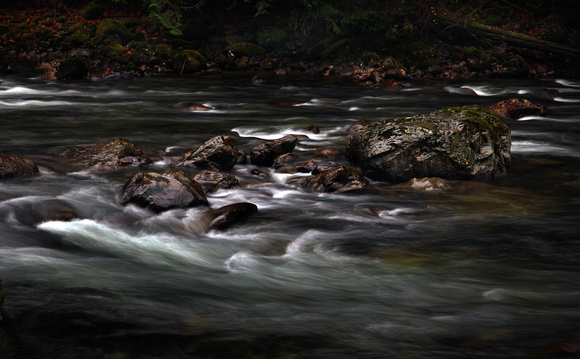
{"x": 212, "y": 181}
{"x": 227, "y": 216}
{"x": 514, "y": 109}
{"x": 341, "y": 179}
{"x": 266, "y": 153}
{"x": 218, "y": 153}
{"x": 16, "y": 166}
{"x": 453, "y": 143}
{"x": 162, "y": 191}
{"x": 116, "y": 155}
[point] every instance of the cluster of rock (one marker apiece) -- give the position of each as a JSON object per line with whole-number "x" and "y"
{"x": 468, "y": 142}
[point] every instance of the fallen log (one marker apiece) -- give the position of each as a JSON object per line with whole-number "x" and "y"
{"x": 510, "y": 37}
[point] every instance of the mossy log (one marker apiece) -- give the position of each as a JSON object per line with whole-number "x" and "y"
{"x": 510, "y": 37}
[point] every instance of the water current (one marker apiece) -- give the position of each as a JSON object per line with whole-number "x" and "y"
{"x": 484, "y": 269}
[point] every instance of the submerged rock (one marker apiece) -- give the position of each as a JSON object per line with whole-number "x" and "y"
{"x": 453, "y": 143}
{"x": 119, "y": 154}
{"x": 162, "y": 191}
{"x": 428, "y": 184}
{"x": 516, "y": 108}
{"x": 16, "y": 166}
{"x": 266, "y": 153}
{"x": 220, "y": 153}
{"x": 341, "y": 179}
{"x": 212, "y": 181}
{"x": 225, "y": 217}
{"x": 31, "y": 214}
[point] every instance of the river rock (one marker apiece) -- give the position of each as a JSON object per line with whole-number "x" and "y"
{"x": 315, "y": 166}
{"x": 31, "y": 214}
{"x": 428, "y": 184}
{"x": 285, "y": 160}
{"x": 452, "y": 143}
{"x": 212, "y": 181}
{"x": 116, "y": 155}
{"x": 162, "y": 191}
{"x": 218, "y": 153}
{"x": 516, "y": 108}
{"x": 266, "y": 153}
{"x": 357, "y": 126}
{"x": 225, "y": 217}
{"x": 341, "y": 179}
{"x": 16, "y": 166}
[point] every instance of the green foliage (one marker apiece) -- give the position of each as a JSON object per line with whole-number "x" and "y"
{"x": 167, "y": 13}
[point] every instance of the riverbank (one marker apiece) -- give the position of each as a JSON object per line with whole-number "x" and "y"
{"x": 121, "y": 41}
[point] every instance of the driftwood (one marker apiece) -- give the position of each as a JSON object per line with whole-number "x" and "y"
{"x": 510, "y": 37}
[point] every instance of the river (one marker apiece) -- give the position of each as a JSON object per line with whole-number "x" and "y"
{"x": 484, "y": 269}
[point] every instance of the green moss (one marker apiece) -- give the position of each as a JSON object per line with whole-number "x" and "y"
{"x": 77, "y": 27}
{"x": 163, "y": 51}
{"x": 271, "y": 38}
{"x": 92, "y": 11}
{"x": 189, "y": 61}
{"x": 113, "y": 51}
{"x": 369, "y": 56}
{"x": 72, "y": 68}
{"x": 113, "y": 31}
{"x": 79, "y": 38}
{"x": 247, "y": 49}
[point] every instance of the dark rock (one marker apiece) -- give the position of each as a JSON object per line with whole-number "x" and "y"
{"x": 315, "y": 166}
{"x": 258, "y": 172}
{"x": 515, "y": 108}
{"x": 72, "y": 69}
{"x": 195, "y": 107}
{"x": 453, "y": 143}
{"x": 212, "y": 181}
{"x": 31, "y": 214}
{"x": 284, "y": 160}
{"x": 341, "y": 179}
{"x": 225, "y": 217}
{"x": 266, "y": 153}
{"x": 220, "y": 153}
{"x": 428, "y": 184}
{"x": 357, "y": 126}
{"x": 314, "y": 129}
{"x": 16, "y": 166}
{"x": 161, "y": 191}
{"x": 116, "y": 155}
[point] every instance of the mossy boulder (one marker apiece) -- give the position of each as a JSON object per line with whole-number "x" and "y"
{"x": 337, "y": 49}
{"x": 92, "y": 11}
{"x": 271, "y": 38}
{"x": 79, "y": 38}
{"x": 247, "y": 49}
{"x": 189, "y": 61}
{"x": 452, "y": 143}
{"x": 113, "y": 51}
{"x": 112, "y": 31}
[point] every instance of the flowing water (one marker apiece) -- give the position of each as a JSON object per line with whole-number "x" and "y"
{"x": 485, "y": 269}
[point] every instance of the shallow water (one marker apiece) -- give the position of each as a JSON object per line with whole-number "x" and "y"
{"x": 482, "y": 270}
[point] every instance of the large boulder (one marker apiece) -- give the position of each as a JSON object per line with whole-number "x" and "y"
{"x": 162, "y": 191}
{"x": 341, "y": 179}
{"x": 516, "y": 108}
{"x": 219, "y": 153}
{"x": 115, "y": 155}
{"x": 212, "y": 181}
{"x": 16, "y": 166}
{"x": 266, "y": 153}
{"x": 357, "y": 126}
{"x": 452, "y": 143}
